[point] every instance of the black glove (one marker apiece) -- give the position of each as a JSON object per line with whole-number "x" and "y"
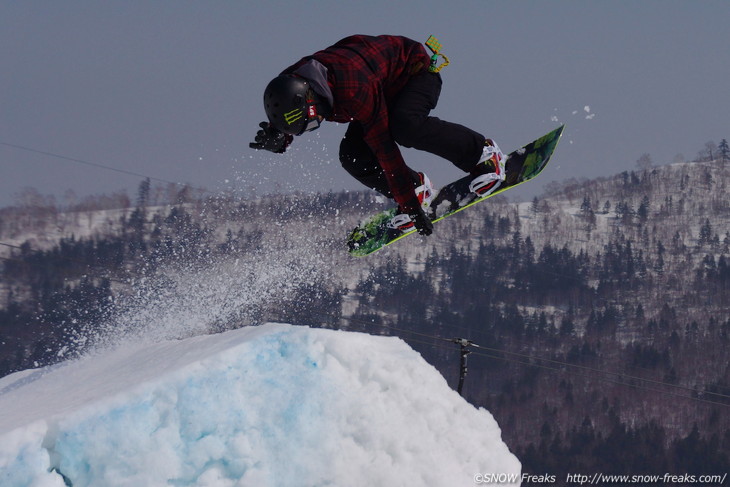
{"x": 270, "y": 139}
{"x": 421, "y": 221}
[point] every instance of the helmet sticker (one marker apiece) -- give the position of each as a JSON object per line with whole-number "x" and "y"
{"x": 293, "y": 116}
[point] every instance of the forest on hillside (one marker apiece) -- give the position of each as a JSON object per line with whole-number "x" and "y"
{"x": 598, "y": 317}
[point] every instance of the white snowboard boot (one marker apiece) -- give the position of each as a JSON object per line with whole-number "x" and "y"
{"x": 425, "y": 194}
{"x": 490, "y": 170}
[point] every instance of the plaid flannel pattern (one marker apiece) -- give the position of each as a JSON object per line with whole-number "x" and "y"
{"x": 365, "y": 74}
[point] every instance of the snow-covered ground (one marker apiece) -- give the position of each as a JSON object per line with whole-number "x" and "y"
{"x": 265, "y": 406}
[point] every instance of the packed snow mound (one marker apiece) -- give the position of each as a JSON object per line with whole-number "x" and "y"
{"x": 274, "y": 405}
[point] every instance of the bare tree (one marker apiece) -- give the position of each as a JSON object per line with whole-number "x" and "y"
{"x": 644, "y": 162}
{"x": 708, "y": 153}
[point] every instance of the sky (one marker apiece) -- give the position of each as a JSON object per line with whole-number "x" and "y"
{"x": 172, "y": 90}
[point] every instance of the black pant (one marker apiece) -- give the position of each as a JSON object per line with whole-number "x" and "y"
{"x": 411, "y": 126}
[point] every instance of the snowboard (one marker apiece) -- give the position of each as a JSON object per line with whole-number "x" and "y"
{"x": 521, "y": 165}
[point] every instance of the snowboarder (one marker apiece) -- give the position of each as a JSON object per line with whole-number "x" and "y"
{"x": 384, "y": 87}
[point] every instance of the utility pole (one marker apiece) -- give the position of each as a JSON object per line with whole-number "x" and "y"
{"x": 464, "y": 352}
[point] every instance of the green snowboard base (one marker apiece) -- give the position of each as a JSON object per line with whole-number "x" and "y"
{"x": 522, "y": 165}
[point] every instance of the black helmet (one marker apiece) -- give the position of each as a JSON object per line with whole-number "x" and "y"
{"x": 291, "y": 104}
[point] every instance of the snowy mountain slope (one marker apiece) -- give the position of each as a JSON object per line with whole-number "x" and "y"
{"x": 676, "y": 199}
{"x": 680, "y": 197}
{"x": 268, "y": 405}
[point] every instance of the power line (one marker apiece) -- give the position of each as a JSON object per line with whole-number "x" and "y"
{"x": 496, "y": 353}
{"x": 586, "y": 372}
{"x": 489, "y": 352}
{"x": 556, "y": 365}
{"x": 602, "y": 375}
{"x": 610, "y": 380}
{"x": 98, "y": 166}
{"x": 104, "y": 167}
{"x": 88, "y": 163}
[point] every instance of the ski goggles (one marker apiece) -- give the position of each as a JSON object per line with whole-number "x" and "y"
{"x": 313, "y": 120}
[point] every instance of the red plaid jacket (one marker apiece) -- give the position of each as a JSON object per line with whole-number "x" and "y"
{"x": 365, "y": 74}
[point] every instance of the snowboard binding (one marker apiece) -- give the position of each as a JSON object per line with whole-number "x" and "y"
{"x": 490, "y": 169}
